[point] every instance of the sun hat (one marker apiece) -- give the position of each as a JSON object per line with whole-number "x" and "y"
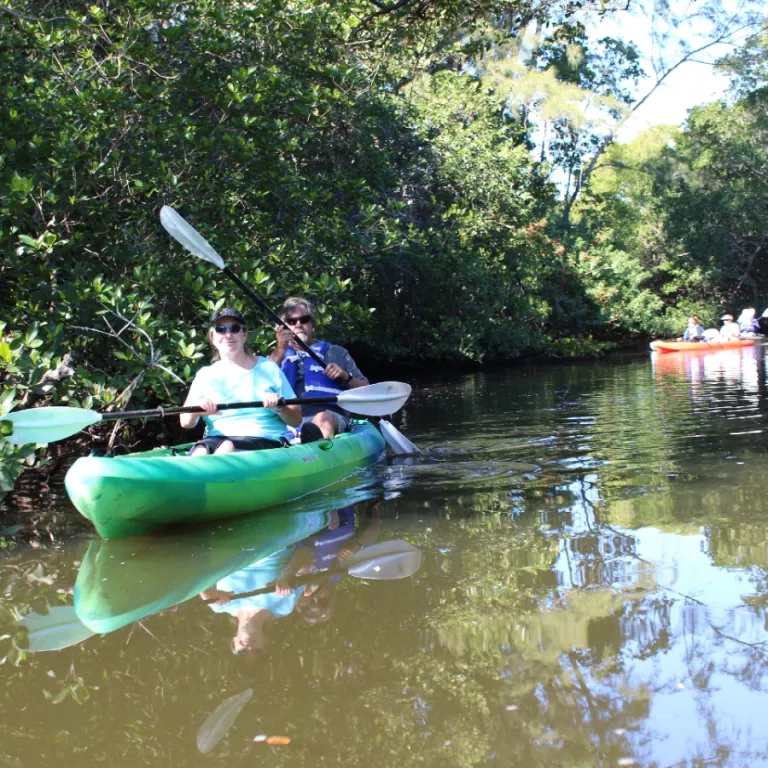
{"x": 727, "y": 317}
{"x": 227, "y": 312}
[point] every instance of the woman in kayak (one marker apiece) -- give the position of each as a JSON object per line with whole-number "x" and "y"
{"x": 238, "y": 375}
{"x": 694, "y": 331}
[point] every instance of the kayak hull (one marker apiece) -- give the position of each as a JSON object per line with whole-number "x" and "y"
{"x": 136, "y": 494}
{"x": 699, "y": 346}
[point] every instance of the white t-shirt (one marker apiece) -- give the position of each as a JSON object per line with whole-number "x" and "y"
{"x": 225, "y": 383}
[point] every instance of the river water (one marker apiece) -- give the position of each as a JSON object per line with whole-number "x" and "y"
{"x": 590, "y": 588}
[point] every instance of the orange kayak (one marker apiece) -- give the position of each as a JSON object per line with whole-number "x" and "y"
{"x": 699, "y": 346}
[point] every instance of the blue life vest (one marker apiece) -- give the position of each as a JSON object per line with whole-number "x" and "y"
{"x": 316, "y": 383}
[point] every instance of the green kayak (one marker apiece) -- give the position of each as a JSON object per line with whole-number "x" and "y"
{"x": 136, "y": 494}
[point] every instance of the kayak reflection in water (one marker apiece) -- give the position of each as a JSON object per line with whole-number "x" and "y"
{"x": 238, "y": 375}
{"x": 331, "y": 547}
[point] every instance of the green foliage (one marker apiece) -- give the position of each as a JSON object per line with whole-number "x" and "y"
{"x": 681, "y": 213}
{"x": 352, "y": 154}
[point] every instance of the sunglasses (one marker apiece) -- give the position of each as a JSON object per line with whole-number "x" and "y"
{"x": 232, "y": 328}
{"x": 296, "y": 320}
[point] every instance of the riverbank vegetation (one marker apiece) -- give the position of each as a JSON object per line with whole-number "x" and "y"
{"x": 427, "y": 172}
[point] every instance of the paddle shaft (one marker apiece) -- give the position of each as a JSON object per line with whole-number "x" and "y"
{"x": 161, "y": 413}
{"x": 273, "y": 315}
{"x": 310, "y": 578}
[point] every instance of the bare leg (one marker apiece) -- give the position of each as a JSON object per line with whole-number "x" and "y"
{"x": 226, "y": 447}
{"x": 328, "y": 423}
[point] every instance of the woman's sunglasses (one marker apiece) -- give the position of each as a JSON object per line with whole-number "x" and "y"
{"x": 232, "y": 328}
{"x": 296, "y": 320}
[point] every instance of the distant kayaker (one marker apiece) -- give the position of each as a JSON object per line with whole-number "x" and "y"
{"x": 307, "y": 377}
{"x": 238, "y": 375}
{"x": 762, "y": 322}
{"x": 730, "y": 330}
{"x": 747, "y": 323}
{"x": 694, "y": 331}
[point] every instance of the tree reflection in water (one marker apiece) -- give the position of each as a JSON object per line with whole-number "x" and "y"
{"x": 593, "y": 590}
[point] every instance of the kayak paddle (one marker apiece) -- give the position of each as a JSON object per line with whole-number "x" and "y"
{"x": 387, "y": 560}
{"x": 184, "y": 233}
{"x": 48, "y": 424}
{"x": 59, "y": 628}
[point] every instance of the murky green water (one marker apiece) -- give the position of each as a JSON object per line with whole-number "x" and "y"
{"x": 591, "y": 590}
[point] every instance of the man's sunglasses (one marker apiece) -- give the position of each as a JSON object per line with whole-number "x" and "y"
{"x": 232, "y": 327}
{"x": 296, "y": 320}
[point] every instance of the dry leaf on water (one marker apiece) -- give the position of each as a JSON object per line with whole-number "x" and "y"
{"x": 213, "y": 730}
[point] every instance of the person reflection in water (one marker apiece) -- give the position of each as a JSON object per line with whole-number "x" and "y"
{"x": 330, "y": 548}
{"x": 254, "y": 613}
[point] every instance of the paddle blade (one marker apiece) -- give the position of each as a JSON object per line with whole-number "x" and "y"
{"x": 376, "y": 399}
{"x": 59, "y": 629}
{"x": 46, "y": 425}
{"x": 396, "y": 559}
{"x": 188, "y": 236}
{"x": 396, "y": 440}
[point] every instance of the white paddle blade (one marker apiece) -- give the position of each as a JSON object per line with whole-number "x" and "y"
{"x": 392, "y": 565}
{"x": 59, "y": 629}
{"x": 396, "y": 440}
{"x": 188, "y": 236}
{"x": 376, "y": 399}
{"x": 394, "y": 559}
{"x": 46, "y": 425}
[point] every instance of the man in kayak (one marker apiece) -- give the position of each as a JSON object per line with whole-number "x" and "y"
{"x": 238, "y": 375}
{"x": 308, "y": 378}
{"x": 730, "y": 330}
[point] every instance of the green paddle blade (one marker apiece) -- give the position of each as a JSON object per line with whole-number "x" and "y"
{"x": 46, "y": 425}
{"x": 59, "y": 629}
{"x": 376, "y": 399}
{"x": 188, "y": 236}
